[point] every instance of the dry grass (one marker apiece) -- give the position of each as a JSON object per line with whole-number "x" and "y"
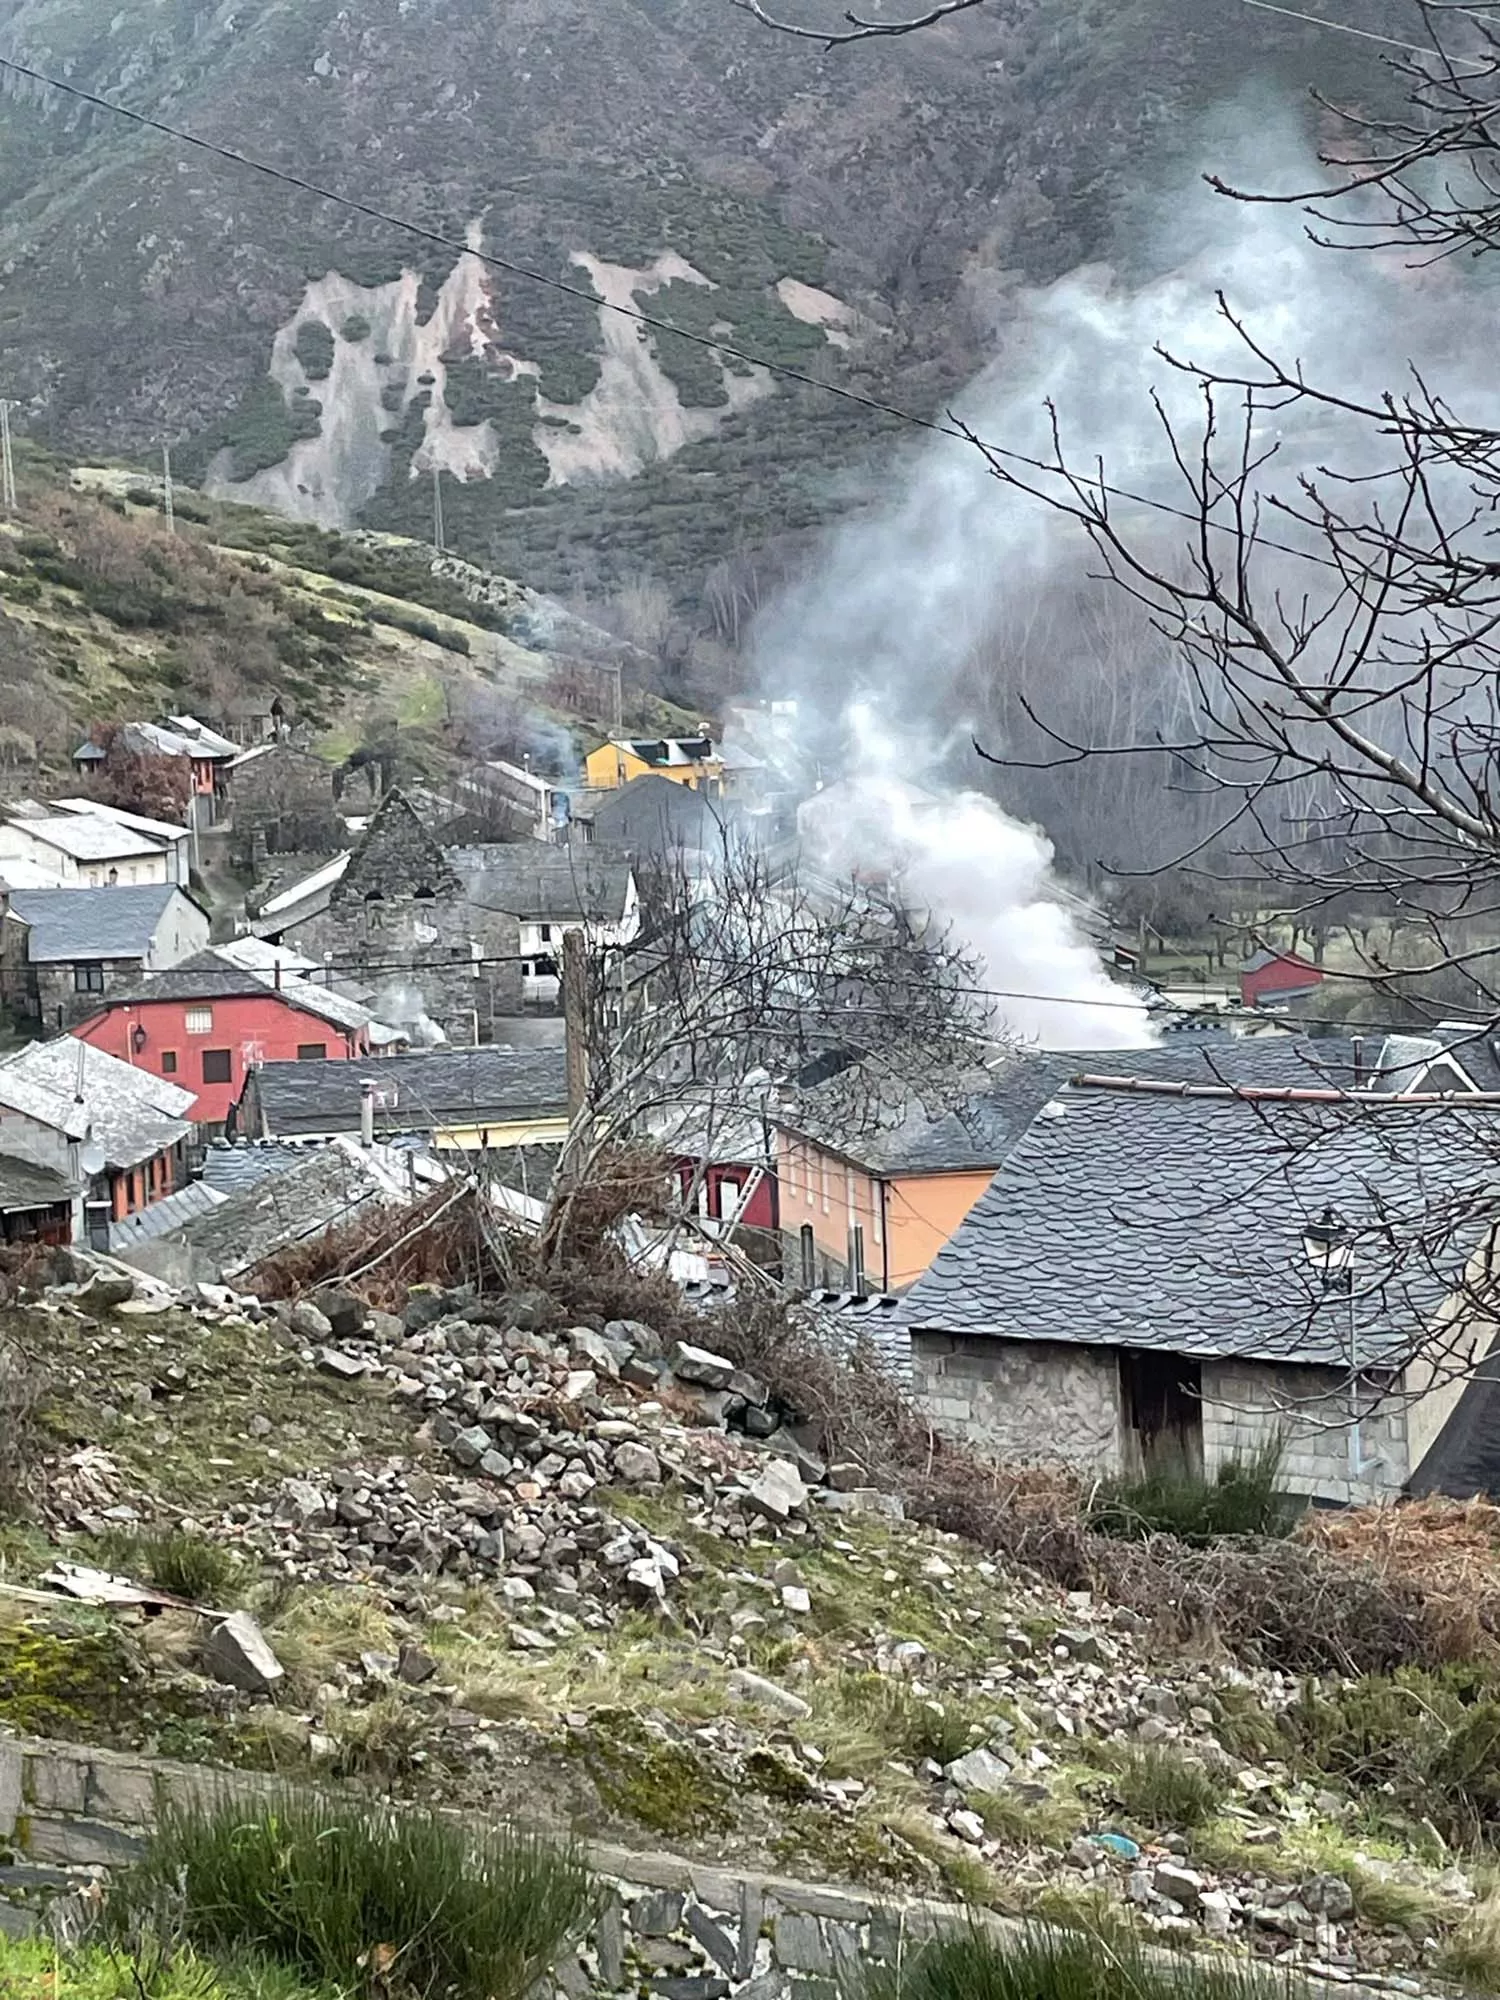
{"x": 1449, "y": 1549}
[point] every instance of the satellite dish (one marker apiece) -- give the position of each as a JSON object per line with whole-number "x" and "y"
{"x": 91, "y": 1158}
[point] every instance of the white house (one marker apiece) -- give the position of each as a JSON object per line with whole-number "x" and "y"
{"x": 85, "y": 851}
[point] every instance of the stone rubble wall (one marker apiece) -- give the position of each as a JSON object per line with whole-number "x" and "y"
{"x": 669, "y": 1929}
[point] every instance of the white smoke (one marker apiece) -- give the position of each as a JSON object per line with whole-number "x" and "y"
{"x": 878, "y": 638}
{"x": 402, "y": 1005}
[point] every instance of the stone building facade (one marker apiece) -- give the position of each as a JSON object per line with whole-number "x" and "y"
{"x": 399, "y": 925}
{"x": 1050, "y": 1402}
{"x": 281, "y": 802}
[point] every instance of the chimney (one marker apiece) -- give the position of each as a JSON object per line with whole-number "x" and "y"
{"x": 367, "y": 1112}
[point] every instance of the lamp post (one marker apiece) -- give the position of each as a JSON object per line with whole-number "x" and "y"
{"x": 1328, "y": 1245}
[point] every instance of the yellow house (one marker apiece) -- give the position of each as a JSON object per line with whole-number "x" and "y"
{"x": 482, "y": 1135}
{"x": 686, "y": 760}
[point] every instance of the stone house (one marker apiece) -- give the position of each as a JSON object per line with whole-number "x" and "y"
{"x": 531, "y": 894}
{"x": 281, "y": 802}
{"x": 103, "y": 1138}
{"x": 64, "y": 951}
{"x": 89, "y": 849}
{"x": 398, "y": 920}
{"x": 1177, "y": 1271}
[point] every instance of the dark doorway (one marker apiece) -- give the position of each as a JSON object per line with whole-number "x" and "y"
{"x": 1162, "y": 1398}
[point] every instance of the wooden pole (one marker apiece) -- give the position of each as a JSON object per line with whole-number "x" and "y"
{"x": 576, "y": 1018}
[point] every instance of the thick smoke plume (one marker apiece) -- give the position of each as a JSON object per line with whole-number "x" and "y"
{"x": 881, "y": 639}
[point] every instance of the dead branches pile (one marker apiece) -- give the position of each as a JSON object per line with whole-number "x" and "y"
{"x": 439, "y": 1240}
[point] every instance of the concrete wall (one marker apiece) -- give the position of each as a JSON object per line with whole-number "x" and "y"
{"x": 1038, "y": 1401}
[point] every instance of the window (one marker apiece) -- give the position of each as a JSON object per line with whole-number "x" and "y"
{"x": 544, "y": 932}
{"x": 218, "y": 1066}
{"x": 200, "y": 1020}
{"x": 169, "y": 1062}
{"x": 88, "y": 978}
{"x": 823, "y": 1182}
{"x": 809, "y": 1264}
{"x": 311, "y": 1051}
{"x": 857, "y": 1258}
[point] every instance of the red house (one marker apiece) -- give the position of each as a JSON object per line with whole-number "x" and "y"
{"x": 721, "y": 1193}
{"x": 204, "y": 1023}
{"x": 1274, "y": 978}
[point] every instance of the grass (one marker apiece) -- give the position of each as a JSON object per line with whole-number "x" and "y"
{"x": 1244, "y": 1497}
{"x": 355, "y": 1897}
{"x": 1042, "y": 1966}
{"x": 1160, "y": 1789}
{"x": 1390, "y": 1905}
{"x": 174, "y": 1560}
{"x": 864, "y": 1720}
{"x": 1471, "y": 1956}
{"x": 33, "y": 1968}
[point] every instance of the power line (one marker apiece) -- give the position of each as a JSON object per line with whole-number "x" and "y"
{"x": 958, "y": 432}
{"x": 1366, "y": 34}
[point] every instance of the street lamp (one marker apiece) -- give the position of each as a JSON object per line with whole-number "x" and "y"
{"x": 1328, "y": 1245}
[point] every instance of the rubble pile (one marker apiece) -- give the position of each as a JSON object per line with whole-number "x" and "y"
{"x": 532, "y": 1425}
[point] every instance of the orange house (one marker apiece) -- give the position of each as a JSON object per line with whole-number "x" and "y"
{"x": 868, "y": 1201}
{"x": 865, "y": 1228}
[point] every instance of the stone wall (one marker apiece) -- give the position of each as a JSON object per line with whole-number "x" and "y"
{"x": 669, "y": 1929}
{"x": 1036, "y": 1400}
{"x": 1248, "y": 1403}
{"x": 1044, "y": 1401}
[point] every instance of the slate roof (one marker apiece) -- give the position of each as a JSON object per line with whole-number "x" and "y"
{"x": 853, "y": 1115}
{"x": 23, "y": 1185}
{"x": 543, "y": 884}
{"x": 162, "y": 1217}
{"x": 232, "y": 1168}
{"x": 207, "y": 976}
{"x": 1176, "y": 1223}
{"x": 91, "y": 923}
{"x": 655, "y": 816}
{"x": 1403, "y": 1063}
{"x": 325, "y": 1187}
{"x": 420, "y": 1092}
{"x": 89, "y": 837}
{"x": 128, "y": 1111}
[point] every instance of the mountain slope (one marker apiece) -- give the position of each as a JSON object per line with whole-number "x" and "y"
{"x": 845, "y": 214}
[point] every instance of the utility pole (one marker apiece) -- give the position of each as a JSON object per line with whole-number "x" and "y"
{"x": 166, "y": 489}
{"x": 7, "y": 460}
{"x": 618, "y": 710}
{"x": 576, "y": 1018}
{"x": 437, "y": 507}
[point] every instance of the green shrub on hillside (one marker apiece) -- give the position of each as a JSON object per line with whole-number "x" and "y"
{"x": 1429, "y": 1741}
{"x": 1057, "y": 1966}
{"x": 1245, "y": 1497}
{"x": 314, "y": 346}
{"x": 359, "y": 1897}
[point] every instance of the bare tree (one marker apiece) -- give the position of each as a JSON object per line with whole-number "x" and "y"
{"x": 744, "y": 974}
